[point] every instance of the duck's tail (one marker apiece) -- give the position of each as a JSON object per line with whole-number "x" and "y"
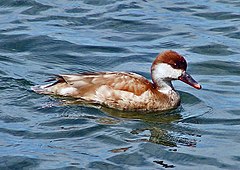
{"x": 48, "y": 88}
{"x": 42, "y": 89}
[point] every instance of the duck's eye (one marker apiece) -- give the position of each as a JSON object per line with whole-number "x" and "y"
{"x": 176, "y": 66}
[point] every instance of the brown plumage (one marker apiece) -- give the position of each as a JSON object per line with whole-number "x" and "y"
{"x": 120, "y": 90}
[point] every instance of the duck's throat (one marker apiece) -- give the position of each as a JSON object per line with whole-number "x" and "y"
{"x": 164, "y": 86}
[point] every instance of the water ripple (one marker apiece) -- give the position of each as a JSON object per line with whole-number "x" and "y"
{"x": 215, "y": 67}
{"x": 214, "y": 49}
{"x": 218, "y": 15}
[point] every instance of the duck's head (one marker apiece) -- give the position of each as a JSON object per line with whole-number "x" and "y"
{"x": 168, "y": 66}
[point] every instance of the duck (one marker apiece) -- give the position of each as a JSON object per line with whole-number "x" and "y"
{"x": 126, "y": 91}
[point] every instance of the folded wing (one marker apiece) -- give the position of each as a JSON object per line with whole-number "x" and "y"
{"x": 88, "y": 85}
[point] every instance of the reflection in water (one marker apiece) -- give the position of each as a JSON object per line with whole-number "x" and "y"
{"x": 157, "y": 135}
{"x": 157, "y": 132}
{"x": 157, "y": 117}
{"x": 165, "y": 137}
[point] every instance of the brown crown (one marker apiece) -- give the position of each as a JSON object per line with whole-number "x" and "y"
{"x": 172, "y": 58}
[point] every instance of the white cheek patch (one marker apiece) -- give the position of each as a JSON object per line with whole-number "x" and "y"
{"x": 164, "y": 70}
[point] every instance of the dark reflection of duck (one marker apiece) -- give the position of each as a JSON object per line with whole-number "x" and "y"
{"x": 157, "y": 123}
{"x": 157, "y": 134}
{"x": 165, "y": 137}
{"x": 157, "y": 117}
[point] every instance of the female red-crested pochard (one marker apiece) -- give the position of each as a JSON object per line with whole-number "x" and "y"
{"x": 126, "y": 91}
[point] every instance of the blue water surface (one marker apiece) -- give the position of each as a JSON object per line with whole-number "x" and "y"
{"x": 39, "y": 38}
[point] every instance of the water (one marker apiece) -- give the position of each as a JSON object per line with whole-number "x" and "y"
{"x": 40, "y": 37}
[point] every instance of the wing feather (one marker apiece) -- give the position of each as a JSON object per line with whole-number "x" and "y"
{"x": 88, "y": 82}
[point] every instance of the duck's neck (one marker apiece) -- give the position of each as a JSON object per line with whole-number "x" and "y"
{"x": 164, "y": 86}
